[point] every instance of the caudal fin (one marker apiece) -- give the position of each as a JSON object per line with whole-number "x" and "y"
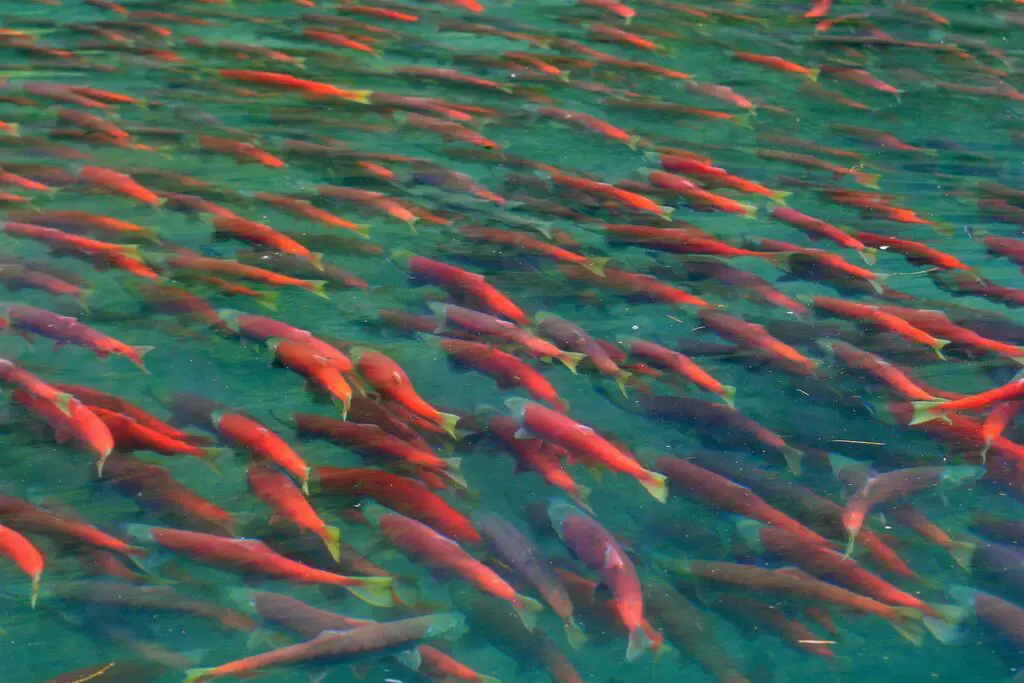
{"x": 574, "y": 634}
{"x": 332, "y": 539}
{"x": 317, "y": 287}
{"x": 639, "y": 643}
{"x": 907, "y": 623}
{"x": 571, "y": 359}
{"x": 729, "y": 396}
{"x": 596, "y": 265}
{"x": 448, "y": 423}
{"x": 656, "y": 485}
{"x": 963, "y": 553}
{"x": 527, "y": 608}
{"x": 197, "y": 675}
{"x": 925, "y": 411}
{"x": 374, "y": 590}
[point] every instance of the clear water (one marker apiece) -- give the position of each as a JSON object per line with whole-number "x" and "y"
{"x": 975, "y": 137}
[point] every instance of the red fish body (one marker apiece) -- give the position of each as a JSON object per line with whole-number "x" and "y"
{"x": 278, "y": 491}
{"x": 68, "y": 330}
{"x": 507, "y": 370}
{"x": 560, "y": 430}
{"x": 254, "y": 557}
{"x": 403, "y": 495}
{"x": 263, "y": 329}
{"x": 466, "y": 285}
{"x": 21, "y": 552}
{"x": 371, "y": 439}
{"x": 71, "y": 420}
{"x": 599, "y": 550}
{"x": 721, "y": 493}
{"x": 303, "y": 360}
{"x": 422, "y": 544}
{"x": 388, "y": 379}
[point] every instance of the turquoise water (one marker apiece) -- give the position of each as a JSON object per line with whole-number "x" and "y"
{"x": 954, "y": 65}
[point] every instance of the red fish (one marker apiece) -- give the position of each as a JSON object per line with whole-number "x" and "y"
{"x": 933, "y": 410}
{"x": 119, "y": 183}
{"x": 318, "y": 370}
{"x": 256, "y": 558}
{"x": 373, "y": 440}
{"x": 496, "y": 329}
{"x": 73, "y": 420}
{"x": 287, "y": 82}
{"x": 278, "y": 491}
{"x": 599, "y": 550}
{"x": 572, "y": 337}
{"x": 889, "y": 486}
{"x": 465, "y": 286}
{"x": 67, "y": 330}
{"x": 21, "y": 552}
{"x": 776, "y": 63}
{"x": 264, "y": 236}
{"x": 878, "y": 317}
{"x": 20, "y": 378}
{"x": 507, "y": 370}
{"x": 422, "y": 544}
{"x": 403, "y": 495}
{"x": 679, "y": 364}
{"x": 581, "y": 440}
{"x": 264, "y": 329}
{"x": 389, "y": 380}
{"x": 242, "y": 431}
{"x": 721, "y": 493}
{"x": 757, "y": 338}
{"x": 537, "y": 456}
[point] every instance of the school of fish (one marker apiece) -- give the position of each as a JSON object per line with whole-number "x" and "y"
{"x": 346, "y": 381}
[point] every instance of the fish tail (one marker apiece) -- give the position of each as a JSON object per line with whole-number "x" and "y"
{"x": 373, "y": 590}
{"x": 850, "y": 544}
{"x": 268, "y": 300}
{"x": 36, "y": 578}
{"x": 938, "y": 345}
{"x": 571, "y": 359}
{"x": 596, "y": 265}
{"x": 448, "y": 422}
{"x": 746, "y": 121}
{"x": 639, "y": 643}
{"x": 656, "y": 485}
{"x": 197, "y": 675}
{"x": 779, "y": 196}
{"x": 794, "y": 459}
{"x": 331, "y": 536}
{"x": 581, "y": 496}
{"x": 63, "y": 401}
{"x": 963, "y": 553}
{"x": 317, "y": 287}
{"x": 343, "y": 403}
{"x": 360, "y": 96}
{"x": 574, "y": 634}
{"x": 527, "y": 609}
{"x": 317, "y": 259}
{"x": 945, "y": 625}
{"x": 868, "y": 179}
{"x": 925, "y": 411}
{"x": 813, "y": 74}
{"x": 621, "y": 379}
{"x": 907, "y": 622}
{"x": 729, "y": 396}
{"x": 869, "y": 254}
